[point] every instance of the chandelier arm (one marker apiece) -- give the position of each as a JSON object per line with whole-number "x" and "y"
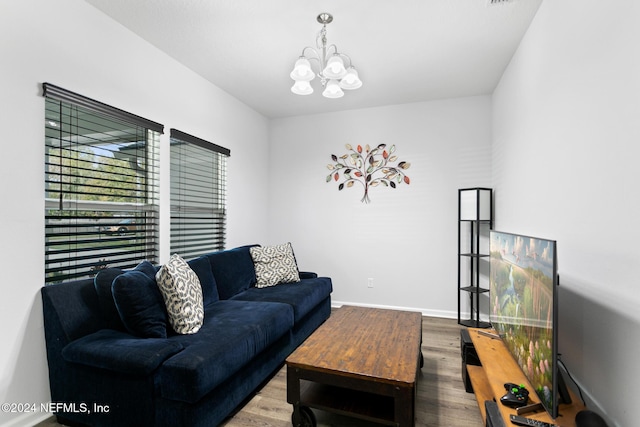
{"x": 313, "y": 58}
{"x": 317, "y": 57}
{"x": 335, "y": 51}
{"x": 312, "y": 50}
{"x": 348, "y": 57}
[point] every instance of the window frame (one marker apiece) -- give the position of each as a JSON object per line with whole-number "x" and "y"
{"x": 198, "y": 195}
{"x": 77, "y": 244}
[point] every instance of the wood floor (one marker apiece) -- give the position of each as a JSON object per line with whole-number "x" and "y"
{"x": 442, "y": 400}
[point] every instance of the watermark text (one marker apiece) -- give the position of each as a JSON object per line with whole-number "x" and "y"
{"x": 55, "y": 407}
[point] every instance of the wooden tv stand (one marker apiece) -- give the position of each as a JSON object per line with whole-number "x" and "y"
{"x": 499, "y": 367}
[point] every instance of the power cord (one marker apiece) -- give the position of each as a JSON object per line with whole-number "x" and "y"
{"x": 564, "y": 367}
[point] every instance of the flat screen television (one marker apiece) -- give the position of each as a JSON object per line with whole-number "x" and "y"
{"x": 523, "y": 280}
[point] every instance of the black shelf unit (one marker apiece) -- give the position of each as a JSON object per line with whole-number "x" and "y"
{"x": 475, "y": 219}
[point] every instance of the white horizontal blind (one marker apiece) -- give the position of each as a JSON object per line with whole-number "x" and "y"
{"x": 198, "y": 195}
{"x": 101, "y": 187}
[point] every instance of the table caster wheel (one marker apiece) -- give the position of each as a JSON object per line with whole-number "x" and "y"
{"x": 305, "y": 416}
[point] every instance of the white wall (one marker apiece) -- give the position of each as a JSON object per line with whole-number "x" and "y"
{"x": 405, "y": 239}
{"x": 563, "y": 162}
{"x": 565, "y": 166}
{"x": 72, "y": 45}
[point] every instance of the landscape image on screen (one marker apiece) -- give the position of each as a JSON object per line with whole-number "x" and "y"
{"x": 522, "y": 292}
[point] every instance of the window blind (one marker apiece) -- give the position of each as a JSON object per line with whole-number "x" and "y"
{"x": 198, "y": 195}
{"x": 101, "y": 186}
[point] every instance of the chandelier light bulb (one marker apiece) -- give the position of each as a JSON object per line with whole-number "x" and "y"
{"x": 333, "y": 90}
{"x": 302, "y": 70}
{"x": 335, "y": 68}
{"x": 302, "y": 87}
{"x": 351, "y": 80}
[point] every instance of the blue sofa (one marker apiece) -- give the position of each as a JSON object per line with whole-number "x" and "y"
{"x": 105, "y": 375}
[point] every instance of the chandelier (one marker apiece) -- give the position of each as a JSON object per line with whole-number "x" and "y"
{"x": 332, "y": 72}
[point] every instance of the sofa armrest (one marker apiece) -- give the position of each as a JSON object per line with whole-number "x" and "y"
{"x": 120, "y": 352}
{"x": 307, "y": 275}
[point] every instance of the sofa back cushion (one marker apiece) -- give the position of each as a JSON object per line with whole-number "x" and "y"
{"x": 71, "y": 311}
{"x": 233, "y": 270}
{"x": 202, "y": 267}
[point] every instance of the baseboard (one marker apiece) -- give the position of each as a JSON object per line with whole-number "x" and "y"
{"x": 425, "y": 312}
{"x": 467, "y": 315}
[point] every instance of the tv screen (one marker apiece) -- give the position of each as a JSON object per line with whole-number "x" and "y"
{"x": 523, "y": 300}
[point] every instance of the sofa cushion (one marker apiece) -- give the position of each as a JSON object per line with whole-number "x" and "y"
{"x": 102, "y": 282}
{"x": 71, "y": 310}
{"x": 120, "y": 352}
{"x": 140, "y": 304}
{"x": 202, "y": 267}
{"x": 147, "y": 268}
{"x": 233, "y": 270}
{"x": 303, "y": 296}
{"x": 274, "y": 264}
{"x": 182, "y": 294}
{"x": 233, "y": 333}
{"x": 308, "y": 275}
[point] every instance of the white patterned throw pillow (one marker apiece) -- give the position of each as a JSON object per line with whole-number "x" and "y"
{"x": 274, "y": 264}
{"x": 182, "y": 295}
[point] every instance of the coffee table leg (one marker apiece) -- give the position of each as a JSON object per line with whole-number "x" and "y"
{"x": 405, "y": 407}
{"x": 303, "y": 417}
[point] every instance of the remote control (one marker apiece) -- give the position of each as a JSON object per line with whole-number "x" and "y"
{"x": 522, "y": 421}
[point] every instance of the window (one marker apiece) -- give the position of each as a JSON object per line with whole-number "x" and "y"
{"x": 198, "y": 195}
{"x": 101, "y": 186}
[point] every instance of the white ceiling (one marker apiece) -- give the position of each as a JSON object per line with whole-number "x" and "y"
{"x": 404, "y": 50}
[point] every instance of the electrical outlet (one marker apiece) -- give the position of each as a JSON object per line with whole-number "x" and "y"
{"x": 370, "y": 282}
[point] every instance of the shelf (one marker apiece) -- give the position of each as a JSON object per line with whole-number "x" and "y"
{"x": 474, "y": 289}
{"x": 475, "y": 222}
{"x": 481, "y": 387}
{"x": 358, "y": 404}
{"x": 472, "y": 323}
{"x": 498, "y": 367}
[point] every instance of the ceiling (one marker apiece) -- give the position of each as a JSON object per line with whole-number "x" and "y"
{"x": 404, "y": 50}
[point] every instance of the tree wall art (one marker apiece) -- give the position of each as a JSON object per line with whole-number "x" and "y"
{"x": 369, "y": 168}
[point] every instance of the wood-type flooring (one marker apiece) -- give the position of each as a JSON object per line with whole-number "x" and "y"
{"x": 442, "y": 400}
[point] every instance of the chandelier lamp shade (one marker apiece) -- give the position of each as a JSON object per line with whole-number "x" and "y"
{"x": 334, "y": 75}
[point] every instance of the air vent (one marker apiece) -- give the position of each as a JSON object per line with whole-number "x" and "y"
{"x": 494, "y": 2}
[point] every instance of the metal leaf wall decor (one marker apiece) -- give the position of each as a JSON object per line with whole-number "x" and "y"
{"x": 370, "y": 168}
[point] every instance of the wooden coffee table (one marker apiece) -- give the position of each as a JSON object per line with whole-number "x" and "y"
{"x": 362, "y": 362}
